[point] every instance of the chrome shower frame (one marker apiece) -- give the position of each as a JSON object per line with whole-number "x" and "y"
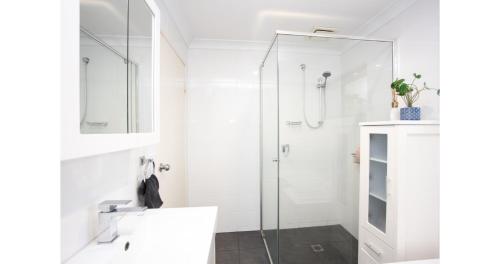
{"x": 395, "y": 71}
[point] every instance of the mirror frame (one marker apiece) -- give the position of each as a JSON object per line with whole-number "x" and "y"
{"x": 73, "y": 143}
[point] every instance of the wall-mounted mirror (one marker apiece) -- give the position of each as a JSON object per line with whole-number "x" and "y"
{"x": 116, "y": 67}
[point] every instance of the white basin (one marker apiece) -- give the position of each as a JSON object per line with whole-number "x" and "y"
{"x": 170, "y": 235}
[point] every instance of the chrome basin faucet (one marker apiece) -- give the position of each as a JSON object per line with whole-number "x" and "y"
{"x": 108, "y": 214}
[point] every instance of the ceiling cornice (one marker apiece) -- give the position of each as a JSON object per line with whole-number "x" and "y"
{"x": 176, "y": 17}
{"x": 383, "y": 17}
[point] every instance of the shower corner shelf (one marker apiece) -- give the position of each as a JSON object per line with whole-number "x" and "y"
{"x": 293, "y": 123}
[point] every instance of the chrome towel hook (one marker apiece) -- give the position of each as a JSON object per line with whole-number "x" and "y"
{"x": 145, "y": 162}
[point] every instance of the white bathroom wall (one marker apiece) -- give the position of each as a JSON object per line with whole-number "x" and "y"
{"x": 223, "y": 116}
{"x": 223, "y": 130}
{"x": 88, "y": 181}
{"x": 417, "y": 30}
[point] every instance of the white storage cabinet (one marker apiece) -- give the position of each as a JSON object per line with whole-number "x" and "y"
{"x": 399, "y": 191}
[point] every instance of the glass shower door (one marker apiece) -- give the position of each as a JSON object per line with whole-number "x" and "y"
{"x": 314, "y": 92}
{"x": 269, "y": 152}
{"x": 326, "y": 87}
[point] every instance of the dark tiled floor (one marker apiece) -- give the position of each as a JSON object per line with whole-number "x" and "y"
{"x": 240, "y": 248}
{"x": 339, "y": 246}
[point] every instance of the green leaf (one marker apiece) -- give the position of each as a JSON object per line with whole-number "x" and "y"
{"x": 403, "y": 89}
{"x": 397, "y": 83}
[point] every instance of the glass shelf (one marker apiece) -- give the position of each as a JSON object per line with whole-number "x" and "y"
{"x": 378, "y": 160}
{"x": 377, "y": 191}
{"x": 378, "y": 197}
{"x": 377, "y": 213}
{"x": 378, "y": 146}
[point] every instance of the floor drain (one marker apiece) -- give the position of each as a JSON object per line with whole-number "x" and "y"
{"x": 317, "y": 248}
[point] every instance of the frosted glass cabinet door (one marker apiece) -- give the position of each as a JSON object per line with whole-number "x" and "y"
{"x": 376, "y": 204}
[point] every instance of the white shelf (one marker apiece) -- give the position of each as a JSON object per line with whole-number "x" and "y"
{"x": 378, "y": 197}
{"x": 378, "y": 160}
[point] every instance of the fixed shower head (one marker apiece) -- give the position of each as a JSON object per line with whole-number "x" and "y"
{"x": 85, "y": 60}
{"x": 327, "y": 74}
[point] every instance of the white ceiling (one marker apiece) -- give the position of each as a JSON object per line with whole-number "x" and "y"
{"x": 259, "y": 19}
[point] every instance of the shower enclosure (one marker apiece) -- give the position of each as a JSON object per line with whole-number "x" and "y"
{"x": 315, "y": 89}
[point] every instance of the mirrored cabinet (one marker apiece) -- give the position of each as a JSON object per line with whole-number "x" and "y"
{"x": 399, "y": 187}
{"x": 116, "y": 41}
{"x": 110, "y": 92}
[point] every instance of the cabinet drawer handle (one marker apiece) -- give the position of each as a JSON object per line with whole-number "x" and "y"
{"x": 377, "y": 252}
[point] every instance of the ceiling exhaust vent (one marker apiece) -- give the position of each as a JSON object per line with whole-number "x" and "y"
{"x": 324, "y": 30}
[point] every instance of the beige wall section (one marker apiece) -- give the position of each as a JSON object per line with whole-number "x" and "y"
{"x": 171, "y": 149}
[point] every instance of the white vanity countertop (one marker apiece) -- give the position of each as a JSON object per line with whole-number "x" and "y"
{"x": 400, "y": 122}
{"x": 168, "y": 235}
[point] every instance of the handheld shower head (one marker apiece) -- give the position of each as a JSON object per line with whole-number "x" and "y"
{"x": 85, "y": 60}
{"x": 325, "y": 74}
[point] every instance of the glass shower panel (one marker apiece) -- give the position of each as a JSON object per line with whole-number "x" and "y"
{"x": 269, "y": 152}
{"x": 326, "y": 87}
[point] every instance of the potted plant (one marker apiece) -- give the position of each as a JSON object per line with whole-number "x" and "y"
{"x": 409, "y": 93}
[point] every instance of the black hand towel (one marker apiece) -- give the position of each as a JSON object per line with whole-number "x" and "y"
{"x": 149, "y": 189}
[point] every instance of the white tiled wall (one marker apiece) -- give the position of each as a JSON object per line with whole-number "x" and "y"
{"x": 309, "y": 174}
{"x": 317, "y": 183}
{"x": 88, "y": 181}
{"x": 223, "y": 144}
{"x": 223, "y": 131}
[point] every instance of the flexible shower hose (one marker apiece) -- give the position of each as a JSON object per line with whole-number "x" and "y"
{"x": 321, "y": 102}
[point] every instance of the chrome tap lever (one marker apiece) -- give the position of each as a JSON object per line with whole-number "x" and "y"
{"x": 111, "y": 205}
{"x": 108, "y": 213}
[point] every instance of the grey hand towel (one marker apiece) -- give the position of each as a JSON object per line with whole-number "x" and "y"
{"x": 149, "y": 189}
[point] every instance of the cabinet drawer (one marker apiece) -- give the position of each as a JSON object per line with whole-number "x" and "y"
{"x": 375, "y": 247}
{"x": 364, "y": 258}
